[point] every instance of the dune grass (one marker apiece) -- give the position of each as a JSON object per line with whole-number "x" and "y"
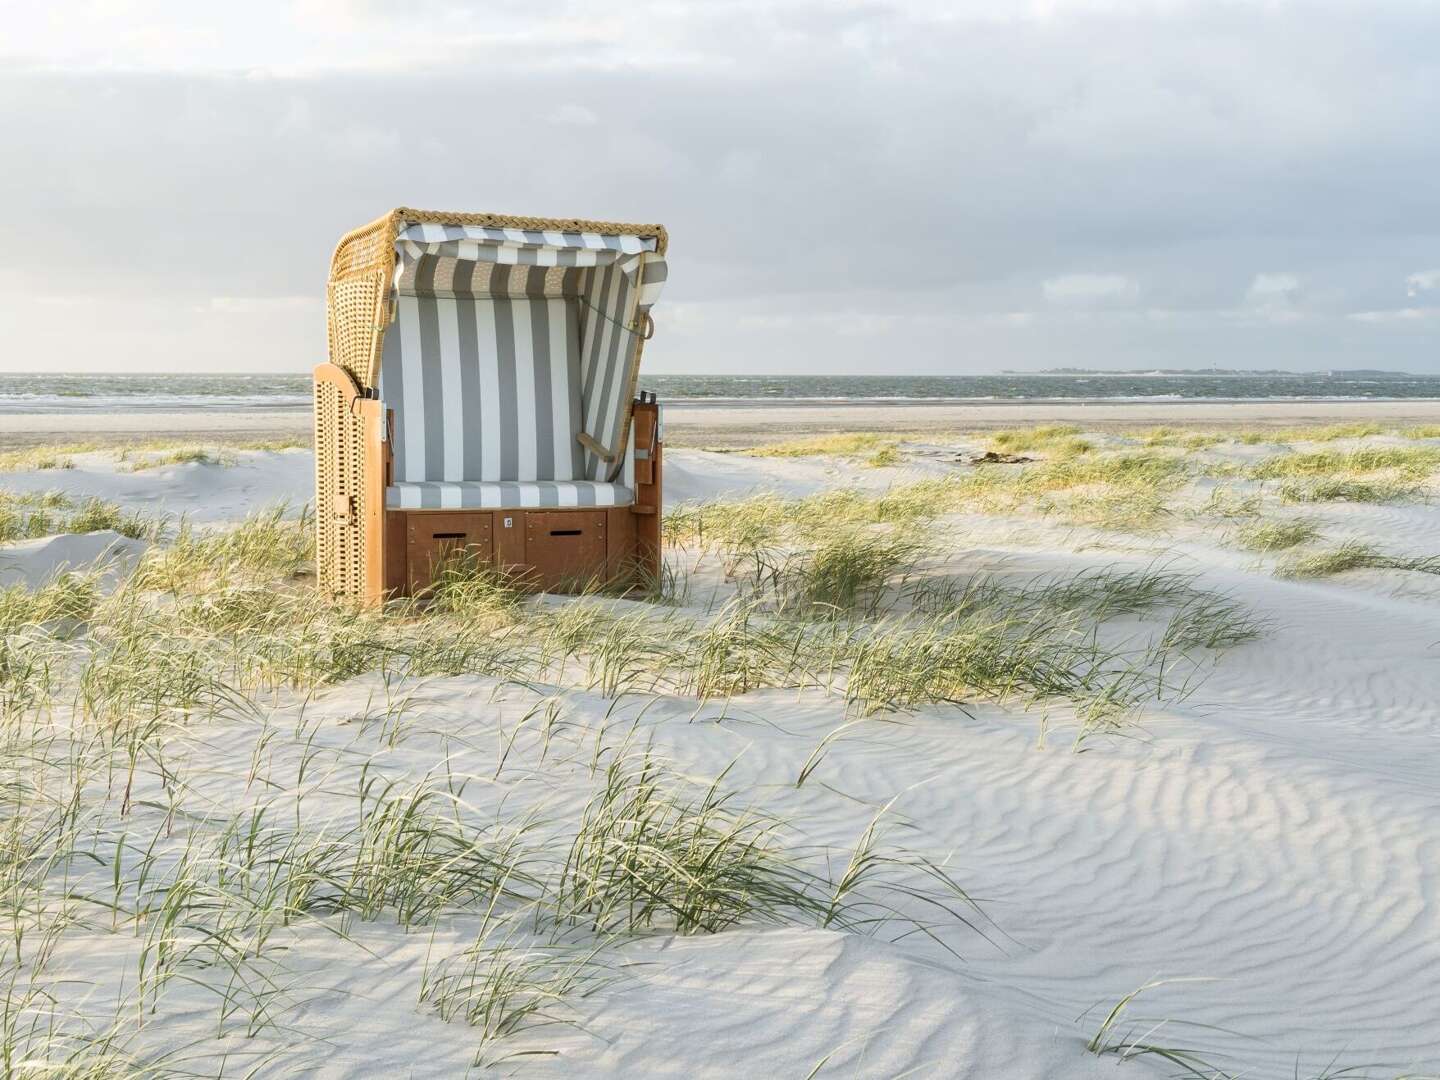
{"x": 38, "y": 458}
{"x": 868, "y": 449}
{"x": 1329, "y": 562}
{"x": 1183, "y": 439}
{"x": 212, "y": 630}
{"x": 1059, "y": 440}
{"x": 1373, "y": 474}
{"x": 141, "y": 454}
{"x": 1267, "y": 536}
{"x": 191, "y": 795}
{"x": 1313, "y": 433}
{"x": 140, "y": 460}
{"x": 31, "y": 516}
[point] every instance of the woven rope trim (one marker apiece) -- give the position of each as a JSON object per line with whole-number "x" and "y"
{"x": 515, "y": 221}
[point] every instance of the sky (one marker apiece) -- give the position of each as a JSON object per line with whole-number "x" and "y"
{"x": 850, "y": 187}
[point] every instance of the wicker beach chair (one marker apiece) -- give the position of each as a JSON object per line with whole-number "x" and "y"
{"x": 480, "y": 395}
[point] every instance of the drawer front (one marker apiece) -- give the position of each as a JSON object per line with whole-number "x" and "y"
{"x": 431, "y": 538}
{"x": 565, "y": 548}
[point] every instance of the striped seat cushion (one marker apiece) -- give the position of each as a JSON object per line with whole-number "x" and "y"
{"x": 478, "y": 495}
{"x": 484, "y": 389}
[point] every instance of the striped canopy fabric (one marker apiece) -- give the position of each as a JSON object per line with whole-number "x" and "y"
{"x": 507, "y": 346}
{"x": 485, "y": 390}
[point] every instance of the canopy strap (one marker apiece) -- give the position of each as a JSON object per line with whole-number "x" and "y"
{"x": 595, "y": 447}
{"x": 627, "y": 327}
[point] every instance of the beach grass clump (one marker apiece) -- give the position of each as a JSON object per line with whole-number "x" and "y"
{"x": 140, "y": 460}
{"x": 649, "y": 853}
{"x": 867, "y": 448}
{"x": 1268, "y": 536}
{"x": 908, "y": 663}
{"x": 1360, "y": 489}
{"x": 1175, "y": 437}
{"x": 508, "y": 986}
{"x": 1127, "y": 1038}
{"x": 37, "y": 459}
{"x": 1058, "y": 440}
{"x": 1228, "y": 505}
{"x": 1127, "y": 490}
{"x": 740, "y": 650}
{"x": 1209, "y": 621}
{"x": 268, "y": 545}
{"x": 35, "y": 515}
{"x": 1353, "y": 555}
{"x": 416, "y": 857}
{"x": 1369, "y": 474}
{"x": 1315, "y": 433}
{"x": 64, "y": 598}
{"x": 1410, "y": 462}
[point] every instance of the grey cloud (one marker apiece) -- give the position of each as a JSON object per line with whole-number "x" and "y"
{"x": 848, "y": 187}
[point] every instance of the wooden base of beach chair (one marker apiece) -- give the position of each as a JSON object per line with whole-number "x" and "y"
{"x": 369, "y": 553}
{"x": 568, "y": 550}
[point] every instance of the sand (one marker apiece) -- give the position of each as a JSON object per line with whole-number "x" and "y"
{"x": 744, "y": 424}
{"x": 1270, "y": 847}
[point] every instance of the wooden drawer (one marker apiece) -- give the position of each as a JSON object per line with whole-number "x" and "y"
{"x": 565, "y": 548}
{"x": 431, "y": 537}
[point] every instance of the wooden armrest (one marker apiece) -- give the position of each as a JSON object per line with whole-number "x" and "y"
{"x": 595, "y": 448}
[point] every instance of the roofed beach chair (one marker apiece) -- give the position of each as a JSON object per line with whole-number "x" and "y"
{"x": 481, "y": 395}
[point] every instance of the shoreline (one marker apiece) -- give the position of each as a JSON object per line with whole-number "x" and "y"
{"x": 751, "y": 423}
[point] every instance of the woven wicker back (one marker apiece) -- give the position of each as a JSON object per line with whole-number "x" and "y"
{"x": 358, "y": 298}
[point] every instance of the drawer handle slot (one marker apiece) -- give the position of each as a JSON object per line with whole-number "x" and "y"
{"x": 564, "y": 532}
{"x": 447, "y": 536}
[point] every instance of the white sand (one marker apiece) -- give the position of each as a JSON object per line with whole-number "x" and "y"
{"x": 736, "y": 424}
{"x": 1278, "y": 834}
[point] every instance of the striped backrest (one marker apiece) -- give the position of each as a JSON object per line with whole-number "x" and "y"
{"x": 484, "y": 389}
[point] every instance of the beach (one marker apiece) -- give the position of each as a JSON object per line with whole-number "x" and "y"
{"x": 743, "y": 423}
{"x": 1151, "y": 715}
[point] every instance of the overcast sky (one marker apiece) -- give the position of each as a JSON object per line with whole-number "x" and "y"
{"x": 850, "y": 187}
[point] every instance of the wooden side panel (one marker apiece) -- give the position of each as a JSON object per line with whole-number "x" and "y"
{"x": 565, "y": 549}
{"x": 341, "y": 544}
{"x": 620, "y": 552}
{"x": 431, "y": 538}
{"x": 397, "y": 578}
{"x": 375, "y": 473}
{"x": 648, "y": 482}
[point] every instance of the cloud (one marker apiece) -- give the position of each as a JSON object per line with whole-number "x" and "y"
{"x": 1272, "y": 289}
{"x": 1397, "y": 316}
{"x": 1423, "y": 281}
{"x": 1083, "y": 290}
{"x": 919, "y": 165}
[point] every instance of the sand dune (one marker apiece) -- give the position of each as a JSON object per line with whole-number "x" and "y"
{"x": 1267, "y": 848}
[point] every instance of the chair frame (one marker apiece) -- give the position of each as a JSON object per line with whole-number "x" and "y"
{"x": 367, "y": 553}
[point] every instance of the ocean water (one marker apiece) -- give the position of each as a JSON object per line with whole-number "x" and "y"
{"x": 40, "y": 393}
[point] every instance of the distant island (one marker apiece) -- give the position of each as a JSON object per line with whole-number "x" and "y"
{"x": 1339, "y": 373}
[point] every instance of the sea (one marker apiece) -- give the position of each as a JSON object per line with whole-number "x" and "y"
{"x": 52, "y": 393}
